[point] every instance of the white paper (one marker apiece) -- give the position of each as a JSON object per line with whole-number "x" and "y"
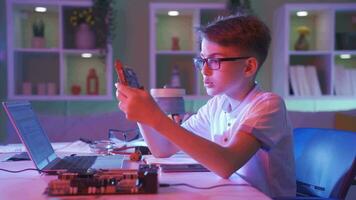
{"x": 75, "y": 147}
{"x": 179, "y": 158}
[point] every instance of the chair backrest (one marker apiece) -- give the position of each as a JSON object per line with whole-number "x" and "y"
{"x": 325, "y": 161}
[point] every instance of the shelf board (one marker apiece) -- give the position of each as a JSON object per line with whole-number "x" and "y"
{"x": 61, "y": 97}
{"x": 310, "y": 52}
{"x": 80, "y": 51}
{"x": 328, "y": 103}
{"x": 322, "y": 97}
{"x": 37, "y": 50}
{"x": 36, "y": 97}
{"x": 88, "y": 97}
{"x": 338, "y": 52}
{"x": 180, "y": 52}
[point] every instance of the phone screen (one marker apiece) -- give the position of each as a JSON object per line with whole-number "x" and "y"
{"x": 126, "y": 76}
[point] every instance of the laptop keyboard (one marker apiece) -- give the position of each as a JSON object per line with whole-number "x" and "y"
{"x": 75, "y": 163}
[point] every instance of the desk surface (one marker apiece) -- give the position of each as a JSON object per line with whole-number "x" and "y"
{"x": 31, "y": 185}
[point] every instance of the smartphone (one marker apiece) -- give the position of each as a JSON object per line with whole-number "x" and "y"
{"x": 126, "y": 76}
{"x": 120, "y": 73}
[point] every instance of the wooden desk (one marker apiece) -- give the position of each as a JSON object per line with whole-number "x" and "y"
{"x": 31, "y": 185}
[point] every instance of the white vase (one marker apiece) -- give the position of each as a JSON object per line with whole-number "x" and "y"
{"x": 84, "y": 37}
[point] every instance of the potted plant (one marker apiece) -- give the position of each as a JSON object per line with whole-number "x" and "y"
{"x": 101, "y": 15}
{"x": 83, "y": 21}
{"x": 38, "y": 29}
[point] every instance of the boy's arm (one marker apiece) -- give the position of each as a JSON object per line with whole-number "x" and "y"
{"x": 159, "y": 146}
{"x": 223, "y": 160}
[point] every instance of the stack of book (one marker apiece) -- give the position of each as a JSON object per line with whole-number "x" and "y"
{"x": 345, "y": 80}
{"x": 304, "y": 80}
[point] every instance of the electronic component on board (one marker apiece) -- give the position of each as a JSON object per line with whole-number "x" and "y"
{"x": 141, "y": 181}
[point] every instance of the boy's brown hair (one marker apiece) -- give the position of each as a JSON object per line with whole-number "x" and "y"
{"x": 245, "y": 32}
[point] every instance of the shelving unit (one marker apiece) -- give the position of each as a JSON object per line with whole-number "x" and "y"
{"x": 164, "y": 55}
{"x": 332, "y": 36}
{"x": 55, "y": 68}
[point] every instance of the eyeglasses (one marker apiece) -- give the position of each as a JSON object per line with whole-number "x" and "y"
{"x": 214, "y": 63}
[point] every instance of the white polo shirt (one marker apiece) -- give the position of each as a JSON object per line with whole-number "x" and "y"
{"x": 263, "y": 115}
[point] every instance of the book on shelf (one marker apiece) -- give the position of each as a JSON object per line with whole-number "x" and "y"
{"x": 312, "y": 77}
{"x": 304, "y": 80}
{"x": 293, "y": 80}
{"x": 353, "y": 80}
{"x": 343, "y": 80}
{"x": 298, "y": 74}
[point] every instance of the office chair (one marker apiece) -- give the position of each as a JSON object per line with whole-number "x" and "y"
{"x": 325, "y": 162}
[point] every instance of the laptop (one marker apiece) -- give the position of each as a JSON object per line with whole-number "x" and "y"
{"x": 40, "y": 150}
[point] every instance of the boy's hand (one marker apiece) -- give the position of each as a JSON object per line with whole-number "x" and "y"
{"x": 138, "y": 105}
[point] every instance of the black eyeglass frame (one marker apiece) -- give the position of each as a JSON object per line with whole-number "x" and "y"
{"x": 196, "y": 61}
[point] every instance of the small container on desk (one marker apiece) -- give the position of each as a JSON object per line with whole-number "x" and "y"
{"x": 171, "y": 101}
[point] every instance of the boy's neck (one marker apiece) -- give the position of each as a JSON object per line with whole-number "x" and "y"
{"x": 243, "y": 91}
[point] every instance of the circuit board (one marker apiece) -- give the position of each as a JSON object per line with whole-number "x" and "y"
{"x": 141, "y": 181}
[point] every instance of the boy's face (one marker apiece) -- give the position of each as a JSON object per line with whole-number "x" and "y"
{"x": 231, "y": 77}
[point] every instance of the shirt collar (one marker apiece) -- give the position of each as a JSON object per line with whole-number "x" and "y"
{"x": 231, "y": 104}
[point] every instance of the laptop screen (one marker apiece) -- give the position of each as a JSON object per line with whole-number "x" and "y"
{"x": 31, "y": 132}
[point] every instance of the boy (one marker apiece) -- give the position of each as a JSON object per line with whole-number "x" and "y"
{"x": 241, "y": 128}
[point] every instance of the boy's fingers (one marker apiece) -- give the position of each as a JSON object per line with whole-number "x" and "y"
{"x": 125, "y": 90}
{"x": 117, "y": 93}
{"x": 121, "y": 97}
{"x": 122, "y": 106}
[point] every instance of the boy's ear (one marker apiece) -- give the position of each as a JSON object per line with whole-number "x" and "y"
{"x": 251, "y": 66}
